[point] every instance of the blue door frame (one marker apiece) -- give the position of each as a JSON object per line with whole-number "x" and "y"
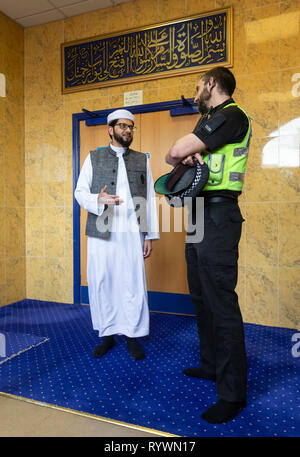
{"x": 158, "y": 301}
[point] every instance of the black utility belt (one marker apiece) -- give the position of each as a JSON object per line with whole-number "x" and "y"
{"x": 209, "y": 200}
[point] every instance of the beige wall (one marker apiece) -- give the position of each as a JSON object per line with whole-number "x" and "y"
{"x": 12, "y": 167}
{"x": 266, "y": 58}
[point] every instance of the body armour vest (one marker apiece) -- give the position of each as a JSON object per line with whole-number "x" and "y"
{"x": 227, "y": 165}
{"x": 105, "y": 171}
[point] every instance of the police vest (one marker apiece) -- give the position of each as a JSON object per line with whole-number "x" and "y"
{"x": 227, "y": 165}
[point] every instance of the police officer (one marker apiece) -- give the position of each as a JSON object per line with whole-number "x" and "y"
{"x": 221, "y": 139}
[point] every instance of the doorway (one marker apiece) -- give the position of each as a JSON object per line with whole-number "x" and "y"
{"x": 157, "y": 129}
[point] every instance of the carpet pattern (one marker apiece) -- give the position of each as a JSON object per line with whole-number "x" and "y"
{"x": 13, "y": 344}
{"x": 153, "y": 392}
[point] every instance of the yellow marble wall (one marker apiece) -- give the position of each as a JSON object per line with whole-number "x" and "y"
{"x": 12, "y": 166}
{"x": 266, "y": 59}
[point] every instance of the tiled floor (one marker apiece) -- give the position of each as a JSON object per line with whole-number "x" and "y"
{"x": 22, "y": 419}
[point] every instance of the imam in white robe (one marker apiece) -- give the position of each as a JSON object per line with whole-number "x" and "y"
{"x": 115, "y": 266}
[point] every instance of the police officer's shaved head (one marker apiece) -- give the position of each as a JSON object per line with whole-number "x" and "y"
{"x": 223, "y": 77}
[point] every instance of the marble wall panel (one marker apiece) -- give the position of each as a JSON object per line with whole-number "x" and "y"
{"x": 289, "y": 233}
{"x": 261, "y": 295}
{"x": 12, "y": 164}
{"x": 289, "y": 297}
{"x": 262, "y": 234}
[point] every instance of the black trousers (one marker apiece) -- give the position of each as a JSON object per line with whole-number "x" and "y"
{"x": 212, "y": 271}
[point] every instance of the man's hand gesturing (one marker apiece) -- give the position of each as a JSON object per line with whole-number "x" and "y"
{"x": 108, "y": 199}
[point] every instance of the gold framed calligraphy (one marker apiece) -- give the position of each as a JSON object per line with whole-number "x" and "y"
{"x": 187, "y": 45}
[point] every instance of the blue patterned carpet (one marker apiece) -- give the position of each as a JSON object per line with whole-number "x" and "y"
{"x": 13, "y": 344}
{"x": 151, "y": 393}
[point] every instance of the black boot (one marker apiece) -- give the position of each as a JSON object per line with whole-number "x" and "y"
{"x": 107, "y": 343}
{"x": 223, "y": 411}
{"x": 199, "y": 373}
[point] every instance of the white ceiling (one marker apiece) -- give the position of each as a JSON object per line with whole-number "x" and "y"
{"x": 35, "y": 12}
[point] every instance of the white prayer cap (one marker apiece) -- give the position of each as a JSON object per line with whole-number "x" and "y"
{"x": 120, "y": 114}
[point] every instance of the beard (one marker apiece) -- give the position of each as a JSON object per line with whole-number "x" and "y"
{"x": 125, "y": 140}
{"x": 203, "y": 106}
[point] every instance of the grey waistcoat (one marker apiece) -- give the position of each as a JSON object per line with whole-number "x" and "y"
{"x": 105, "y": 171}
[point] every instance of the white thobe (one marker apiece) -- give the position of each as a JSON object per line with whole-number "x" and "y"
{"x": 115, "y": 266}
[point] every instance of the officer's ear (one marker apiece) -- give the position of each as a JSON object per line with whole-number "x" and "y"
{"x": 212, "y": 83}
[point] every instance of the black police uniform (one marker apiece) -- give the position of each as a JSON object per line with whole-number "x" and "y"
{"x": 212, "y": 270}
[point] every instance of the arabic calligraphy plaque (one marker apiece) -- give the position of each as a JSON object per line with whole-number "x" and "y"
{"x": 186, "y": 46}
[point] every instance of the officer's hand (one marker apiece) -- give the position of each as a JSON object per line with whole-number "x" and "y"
{"x": 199, "y": 158}
{"x": 108, "y": 199}
{"x": 189, "y": 160}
